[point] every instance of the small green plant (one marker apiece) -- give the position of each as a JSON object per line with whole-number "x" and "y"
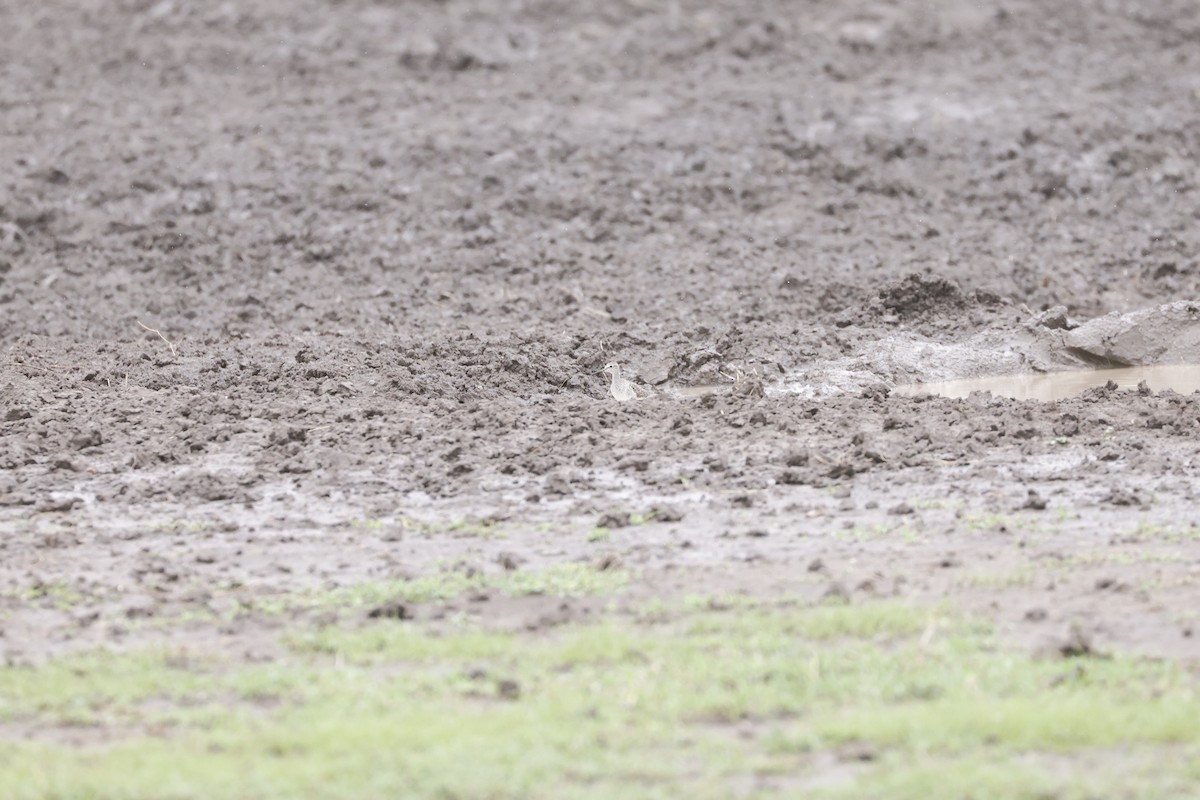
{"x": 181, "y": 526}
{"x": 1000, "y": 580}
{"x": 934, "y": 503}
{"x": 56, "y": 594}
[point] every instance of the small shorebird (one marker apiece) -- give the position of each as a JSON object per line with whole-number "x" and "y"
{"x": 621, "y": 388}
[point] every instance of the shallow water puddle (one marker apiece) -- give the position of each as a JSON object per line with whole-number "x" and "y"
{"x": 1182, "y": 378}
{"x": 698, "y": 389}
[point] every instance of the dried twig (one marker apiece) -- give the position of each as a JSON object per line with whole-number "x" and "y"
{"x": 165, "y": 339}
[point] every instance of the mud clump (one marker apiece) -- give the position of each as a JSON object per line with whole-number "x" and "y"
{"x": 1076, "y": 642}
{"x": 395, "y": 609}
{"x": 1166, "y": 334}
{"x": 918, "y": 295}
{"x": 615, "y": 519}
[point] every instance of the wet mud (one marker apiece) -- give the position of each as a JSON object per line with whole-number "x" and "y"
{"x": 1048, "y": 386}
{"x": 308, "y": 294}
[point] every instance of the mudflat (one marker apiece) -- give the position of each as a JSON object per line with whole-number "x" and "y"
{"x": 301, "y": 297}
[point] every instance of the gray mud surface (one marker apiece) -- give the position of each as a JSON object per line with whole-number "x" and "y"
{"x": 385, "y": 248}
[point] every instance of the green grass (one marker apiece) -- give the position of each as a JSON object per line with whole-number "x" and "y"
{"x": 563, "y": 580}
{"x": 53, "y": 595}
{"x": 700, "y": 698}
{"x": 485, "y": 528}
{"x": 1124, "y": 558}
{"x": 1150, "y": 532}
{"x": 879, "y": 531}
{"x": 1010, "y": 579}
